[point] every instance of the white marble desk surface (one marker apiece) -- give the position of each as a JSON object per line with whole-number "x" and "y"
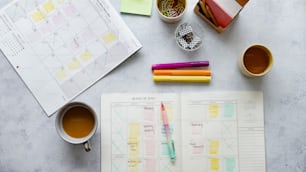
{"x": 29, "y": 142}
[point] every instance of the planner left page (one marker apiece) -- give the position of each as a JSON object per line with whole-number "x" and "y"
{"x": 61, "y": 47}
{"x": 132, "y": 132}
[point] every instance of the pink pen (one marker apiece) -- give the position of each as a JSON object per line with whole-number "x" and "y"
{"x": 170, "y": 142}
{"x": 180, "y": 65}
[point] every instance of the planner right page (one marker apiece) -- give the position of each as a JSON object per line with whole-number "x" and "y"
{"x": 223, "y": 132}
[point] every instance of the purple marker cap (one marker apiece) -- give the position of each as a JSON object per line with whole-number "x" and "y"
{"x": 180, "y": 65}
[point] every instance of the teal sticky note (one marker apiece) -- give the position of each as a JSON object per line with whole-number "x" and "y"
{"x": 230, "y": 164}
{"x": 229, "y": 110}
{"x": 141, "y": 7}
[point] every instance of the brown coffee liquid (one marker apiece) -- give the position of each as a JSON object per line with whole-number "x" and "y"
{"x": 256, "y": 60}
{"x": 78, "y": 122}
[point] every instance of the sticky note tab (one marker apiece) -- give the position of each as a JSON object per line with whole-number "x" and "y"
{"x": 60, "y": 1}
{"x": 134, "y": 130}
{"x": 74, "y": 65}
{"x": 165, "y": 149}
{"x": 37, "y": 16}
{"x": 110, "y": 37}
{"x": 230, "y": 164}
{"x": 213, "y": 111}
{"x": 229, "y": 110}
{"x": 61, "y": 74}
{"x": 49, "y": 7}
{"x": 214, "y": 164}
{"x": 150, "y": 165}
{"x": 142, "y": 7}
{"x": 86, "y": 56}
{"x": 214, "y": 147}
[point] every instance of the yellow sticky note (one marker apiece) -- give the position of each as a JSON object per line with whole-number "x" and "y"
{"x": 74, "y": 65}
{"x": 61, "y": 74}
{"x": 86, "y": 56}
{"x": 133, "y": 147}
{"x": 213, "y": 111}
{"x": 134, "y": 130}
{"x": 60, "y": 1}
{"x": 49, "y": 7}
{"x": 214, "y": 147}
{"x": 214, "y": 164}
{"x": 110, "y": 37}
{"x": 37, "y": 16}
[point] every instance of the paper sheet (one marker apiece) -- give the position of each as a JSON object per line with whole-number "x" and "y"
{"x": 221, "y": 132}
{"x": 61, "y": 47}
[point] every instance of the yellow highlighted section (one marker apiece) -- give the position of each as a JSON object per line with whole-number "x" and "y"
{"x": 86, "y": 56}
{"x": 214, "y": 164}
{"x": 49, "y": 7}
{"x": 134, "y": 130}
{"x": 61, "y": 74}
{"x": 214, "y": 147}
{"x": 110, "y": 37}
{"x": 134, "y": 147}
{"x": 74, "y": 65}
{"x": 213, "y": 111}
{"x": 134, "y": 165}
{"x": 37, "y": 16}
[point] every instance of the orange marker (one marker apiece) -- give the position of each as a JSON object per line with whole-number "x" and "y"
{"x": 183, "y": 72}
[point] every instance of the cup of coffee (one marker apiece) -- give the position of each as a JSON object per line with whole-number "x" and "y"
{"x": 171, "y": 11}
{"x": 256, "y": 60}
{"x": 76, "y": 123}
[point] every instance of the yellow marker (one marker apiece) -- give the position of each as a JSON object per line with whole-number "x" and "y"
{"x": 163, "y": 78}
{"x": 183, "y": 72}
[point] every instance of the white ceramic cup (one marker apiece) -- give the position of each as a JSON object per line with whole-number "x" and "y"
{"x": 249, "y": 61}
{"x": 166, "y": 5}
{"x": 67, "y": 137}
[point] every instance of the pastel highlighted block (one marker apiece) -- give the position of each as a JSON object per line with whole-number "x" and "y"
{"x": 49, "y": 7}
{"x": 74, "y": 65}
{"x": 230, "y": 164}
{"x": 150, "y": 147}
{"x": 61, "y": 74}
{"x": 110, "y": 37}
{"x": 214, "y": 147}
{"x": 214, "y": 164}
{"x": 224, "y": 11}
{"x": 86, "y": 56}
{"x": 134, "y": 130}
{"x": 213, "y": 111}
{"x": 229, "y": 110}
{"x": 133, "y": 147}
{"x": 134, "y": 165}
{"x": 150, "y": 165}
{"x": 37, "y": 16}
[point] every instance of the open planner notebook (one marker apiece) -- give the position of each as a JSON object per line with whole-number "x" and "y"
{"x": 61, "y": 47}
{"x": 212, "y": 132}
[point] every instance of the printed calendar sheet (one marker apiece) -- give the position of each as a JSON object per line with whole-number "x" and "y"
{"x": 61, "y": 47}
{"x": 212, "y": 132}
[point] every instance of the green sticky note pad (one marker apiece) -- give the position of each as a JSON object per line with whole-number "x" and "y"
{"x": 141, "y": 7}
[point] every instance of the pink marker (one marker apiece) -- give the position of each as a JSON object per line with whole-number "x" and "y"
{"x": 180, "y": 65}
